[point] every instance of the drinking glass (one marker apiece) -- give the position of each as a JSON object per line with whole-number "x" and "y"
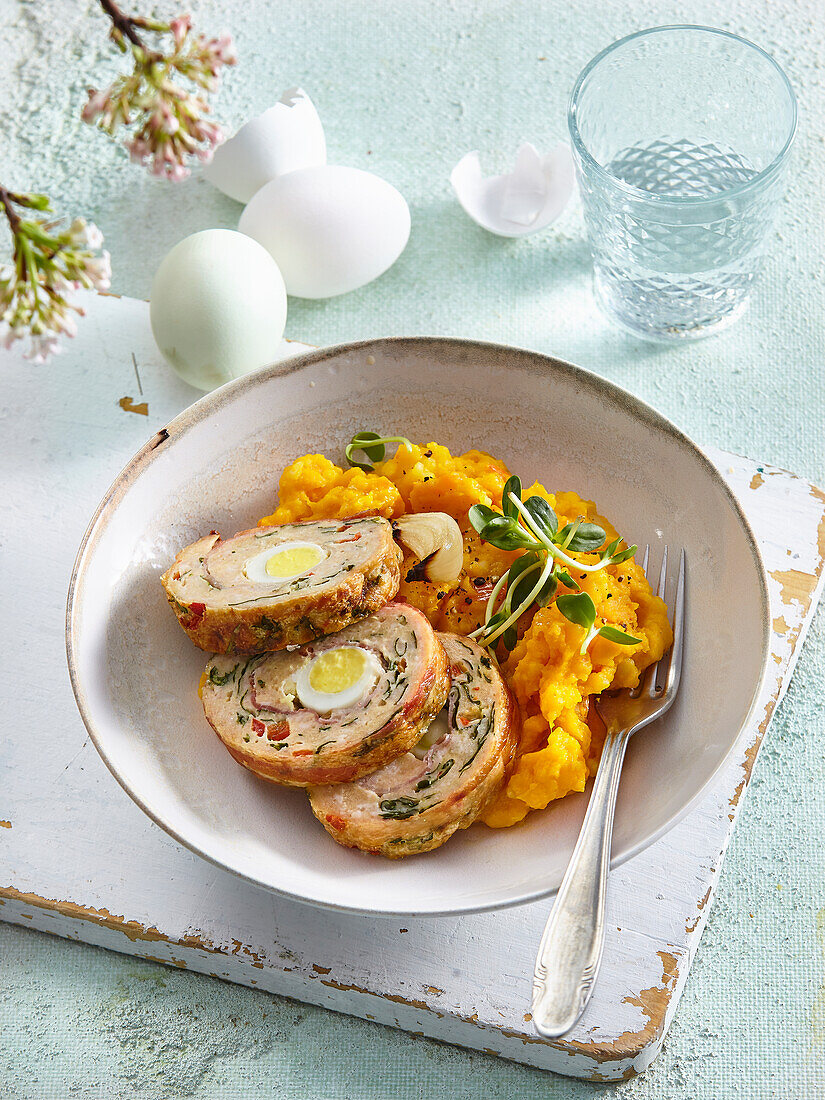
{"x": 681, "y": 138}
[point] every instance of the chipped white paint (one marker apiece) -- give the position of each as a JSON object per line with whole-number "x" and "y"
{"x": 79, "y": 859}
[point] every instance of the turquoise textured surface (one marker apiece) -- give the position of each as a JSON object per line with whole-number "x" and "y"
{"x": 404, "y": 89}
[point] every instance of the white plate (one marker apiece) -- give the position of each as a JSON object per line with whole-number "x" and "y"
{"x": 135, "y": 673}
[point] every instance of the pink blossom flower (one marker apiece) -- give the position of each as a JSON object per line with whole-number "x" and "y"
{"x": 169, "y": 120}
{"x": 50, "y": 261}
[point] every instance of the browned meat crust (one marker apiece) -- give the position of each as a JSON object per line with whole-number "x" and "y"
{"x": 416, "y": 802}
{"x": 265, "y": 728}
{"x": 223, "y": 611}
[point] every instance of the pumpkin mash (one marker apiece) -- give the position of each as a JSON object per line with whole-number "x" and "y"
{"x": 562, "y": 736}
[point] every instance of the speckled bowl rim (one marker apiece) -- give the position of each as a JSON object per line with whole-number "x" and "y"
{"x": 532, "y": 362}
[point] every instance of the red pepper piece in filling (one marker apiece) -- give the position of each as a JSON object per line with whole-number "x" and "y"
{"x": 258, "y": 727}
{"x": 336, "y": 822}
{"x": 196, "y": 611}
{"x": 278, "y": 732}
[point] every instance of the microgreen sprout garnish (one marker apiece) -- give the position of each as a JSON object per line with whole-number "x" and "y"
{"x": 579, "y": 608}
{"x": 372, "y": 446}
{"x": 532, "y": 526}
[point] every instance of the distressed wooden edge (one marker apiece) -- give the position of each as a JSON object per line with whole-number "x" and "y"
{"x": 618, "y": 1059}
{"x": 795, "y": 587}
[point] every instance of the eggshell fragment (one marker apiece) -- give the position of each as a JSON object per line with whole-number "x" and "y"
{"x": 218, "y": 307}
{"x": 330, "y": 229}
{"x": 284, "y": 138}
{"x": 522, "y": 201}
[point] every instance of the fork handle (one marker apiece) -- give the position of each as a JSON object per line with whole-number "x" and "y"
{"x": 571, "y": 947}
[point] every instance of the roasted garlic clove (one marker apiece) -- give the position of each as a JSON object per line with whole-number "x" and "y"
{"x": 435, "y": 539}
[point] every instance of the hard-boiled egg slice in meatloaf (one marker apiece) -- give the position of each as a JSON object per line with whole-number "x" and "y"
{"x": 272, "y": 587}
{"x": 334, "y": 709}
{"x": 417, "y": 801}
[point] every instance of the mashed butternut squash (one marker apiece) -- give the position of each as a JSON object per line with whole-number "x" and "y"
{"x": 562, "y": 736}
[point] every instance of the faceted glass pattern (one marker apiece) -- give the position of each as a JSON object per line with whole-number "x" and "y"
{"x": 678, "y": 218}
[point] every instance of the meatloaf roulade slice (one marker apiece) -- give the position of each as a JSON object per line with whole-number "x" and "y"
{"x": 417, "y": 801}
{"x": 271, "y": 587}
{"x": 335, "y": 709}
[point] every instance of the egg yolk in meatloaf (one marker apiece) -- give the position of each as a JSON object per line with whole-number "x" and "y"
{"x": 562, "y": 736}
{"x": 292, "y": 561}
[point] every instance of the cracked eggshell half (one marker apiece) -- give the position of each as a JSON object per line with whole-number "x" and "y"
{"x": 522, "y": 201}
{"x": 283, "y": 139}
{"x": 330, "y": 229}
{"x": 218, "y": 307}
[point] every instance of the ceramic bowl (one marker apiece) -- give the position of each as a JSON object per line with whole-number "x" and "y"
{"x": 216, "y": 465}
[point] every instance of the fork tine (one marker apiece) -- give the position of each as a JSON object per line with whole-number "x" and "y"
{"x": 649, "y": 687}
{"x": 660, "y": 591}
{"x": 675, "y": 671}
{"x": 637, "y": 691}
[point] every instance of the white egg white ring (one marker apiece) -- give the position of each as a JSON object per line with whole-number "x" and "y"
{"x": 323, "y": 702}
{"x": 254, "y": 568}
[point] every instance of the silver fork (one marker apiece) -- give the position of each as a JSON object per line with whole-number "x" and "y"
{"x": 571, "y": 947}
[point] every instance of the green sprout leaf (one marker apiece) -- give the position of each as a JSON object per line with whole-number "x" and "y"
{"x": 548, "y": 590}
{"x": 623, "y": 555}
{"x": 613, "y": 634}
{"x": 500, "y": 531}
{"x": 582, "y": 538}
{"x": 543, "y": 516}
{"x": 480, "y": 515}
{"x": 565, "y": 579}
{"x": 534, "y": 577}
{"x": 372, "y": 446}
{"x": 578, "y": 609}
{"x": 522, "y": 577}
{"x": 511, "y": 485}
{"x": 497, "y": 620}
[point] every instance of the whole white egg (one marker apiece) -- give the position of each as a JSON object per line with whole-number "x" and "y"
{"x": 330, "y": 229}
{"x": 218, "y": 307}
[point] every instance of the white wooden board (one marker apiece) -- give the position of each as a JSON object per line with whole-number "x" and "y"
{"x": 79, "y": 859}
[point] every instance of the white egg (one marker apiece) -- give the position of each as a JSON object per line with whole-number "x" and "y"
{"x": 330, "y": 229}
{"x": 255, "y": 568}
{"x": 284, "y": 138}
{"x": 218, "y": 307}
{"x": 337, "y": 678}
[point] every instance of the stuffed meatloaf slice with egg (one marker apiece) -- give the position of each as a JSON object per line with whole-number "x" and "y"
{"x": 334, "y": 709}
{"x": 417, "y": 801}
{"x": 271, "y": 587}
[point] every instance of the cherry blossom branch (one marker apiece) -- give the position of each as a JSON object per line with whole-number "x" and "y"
{"x": 48, "y": 261}
{"x": 166, "y": 121}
